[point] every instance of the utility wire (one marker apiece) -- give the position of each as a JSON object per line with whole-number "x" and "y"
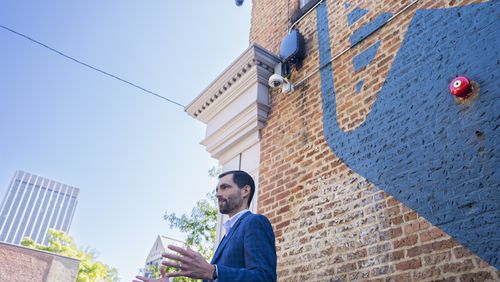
{"x": 94, "y": 68}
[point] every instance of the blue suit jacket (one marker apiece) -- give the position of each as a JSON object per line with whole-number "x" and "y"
{"x": 248, "y": 251}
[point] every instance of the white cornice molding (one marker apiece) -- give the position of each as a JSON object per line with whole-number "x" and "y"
{"x": 255, "y": 65}
{"x": 236, "y": 105}
{"x": 233, "y": 133}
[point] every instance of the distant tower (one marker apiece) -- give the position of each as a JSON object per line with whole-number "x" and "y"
{"x": 159, "y": 247}
{"x": 32, "y": 205}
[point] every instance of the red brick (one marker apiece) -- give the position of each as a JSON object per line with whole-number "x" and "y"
{"x": 390, "y": 233}
{"x": 377, "y": 271}
{"x": 461, "y": 252}
{"x": 406, "y": 241}
{"x": 399, "y": 278}
{"x": 347, "y": 268}
{"x": 416, "y": 226}
{"x": 458, "y": 267}
{"x": 283, "y": 224}
{"x": 316, "y": 228}
{"x": 437, "y": 258}
{"x": 431, "y": 234}
{"x": 426, "y": 273}
{"x": 444, "y": 244}
{"x": 416, "y": 251}
{"x": 410, "y": 264}
{"x": 410, "y": 216}
{"x": 476, "y": 277}
{"x": 283, "y": 209}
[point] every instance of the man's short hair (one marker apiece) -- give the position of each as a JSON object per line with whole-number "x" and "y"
{"x": 241, "y": 179}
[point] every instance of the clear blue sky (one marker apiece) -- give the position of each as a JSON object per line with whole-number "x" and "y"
{"x": 132, "y": 155}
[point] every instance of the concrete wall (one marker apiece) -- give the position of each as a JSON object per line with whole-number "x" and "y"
{"x": 23, "y": 264}
{"x": 371, "y": 170}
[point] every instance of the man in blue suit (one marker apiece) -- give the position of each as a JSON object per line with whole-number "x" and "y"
{"x": 246, "y": 253}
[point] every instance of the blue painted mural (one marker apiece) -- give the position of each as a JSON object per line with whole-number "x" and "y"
{"x": 366, "y": 57}
{"x": 435, "y": 154}
{"x": 355, "y": 15}
{"x": 369, "y": 28}
{"x": 359, "y": 85}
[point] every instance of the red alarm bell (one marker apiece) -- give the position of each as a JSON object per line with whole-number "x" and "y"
{"x": 460, "y": 86}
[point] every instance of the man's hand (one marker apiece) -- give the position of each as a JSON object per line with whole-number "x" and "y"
{"x": 190, "y": 264}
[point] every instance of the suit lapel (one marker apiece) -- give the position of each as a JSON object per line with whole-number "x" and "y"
{"x": 227, "y": 237}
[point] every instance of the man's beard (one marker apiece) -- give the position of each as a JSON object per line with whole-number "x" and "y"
{"x": 228, "y": 205}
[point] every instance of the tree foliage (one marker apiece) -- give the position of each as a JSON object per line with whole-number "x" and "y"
{"x": 154, "y": 271}
{"x": 214, "y": 171}
{"x": 200, "y": 229}
{"x": 62, "y": 244}
{"x": 199, "y": 225}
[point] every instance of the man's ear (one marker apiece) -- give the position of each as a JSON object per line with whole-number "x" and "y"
{"x": 246, "y": 191}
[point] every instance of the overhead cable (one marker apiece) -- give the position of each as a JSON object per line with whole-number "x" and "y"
{"x": 92, "y": 67}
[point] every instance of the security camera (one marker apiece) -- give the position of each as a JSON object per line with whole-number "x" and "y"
{"x": 276, "y": 80}
{"x": 239, "y": 2}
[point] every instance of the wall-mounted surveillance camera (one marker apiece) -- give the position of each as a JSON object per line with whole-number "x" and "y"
{"x": 238, "y": 2}
{"x": 276, "y": 80}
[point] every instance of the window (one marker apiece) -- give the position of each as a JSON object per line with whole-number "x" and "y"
{"x": 304, "y": 7}
{"x": 304, "y": 2}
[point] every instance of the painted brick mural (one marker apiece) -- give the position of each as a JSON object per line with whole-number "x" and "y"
{"x": 371, "y": 170}
{"x": 433, "y": 153}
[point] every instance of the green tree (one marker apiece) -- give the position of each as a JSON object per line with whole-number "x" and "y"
{"x": 62, "y": 244}
{"x": 214, "y": 171}
{"x": 155, "y": 273}
{"x": 199, "y": 225}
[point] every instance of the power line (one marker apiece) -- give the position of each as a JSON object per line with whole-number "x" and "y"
{"x": 92, "y": 67}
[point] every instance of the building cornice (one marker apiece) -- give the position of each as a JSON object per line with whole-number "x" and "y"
{"x": 255, "y": 65}
{"x": 235, "y": 132}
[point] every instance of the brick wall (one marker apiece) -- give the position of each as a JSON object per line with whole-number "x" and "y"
{"x": 23, "y": 264}
{"x": 338, "y": 212}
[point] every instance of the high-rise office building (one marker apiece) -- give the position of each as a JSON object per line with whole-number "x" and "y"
{"x": 34, "y": 204}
